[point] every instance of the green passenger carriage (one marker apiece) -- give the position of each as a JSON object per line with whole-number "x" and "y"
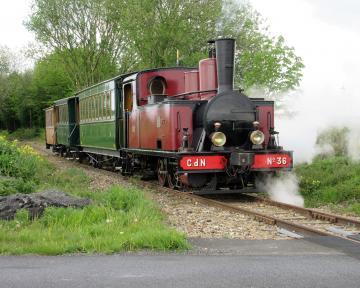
{"x": 67, "y": 129}
{"x": 98, "y": 117}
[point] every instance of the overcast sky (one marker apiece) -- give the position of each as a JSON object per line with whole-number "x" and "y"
{"x": 12, "y": 14}
{"x": 324, "y": 33}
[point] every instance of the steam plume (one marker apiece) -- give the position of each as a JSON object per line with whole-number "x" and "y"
{"x": 284, "y": 188}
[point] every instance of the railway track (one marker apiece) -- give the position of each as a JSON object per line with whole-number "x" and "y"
{"x": 292, "y": 220}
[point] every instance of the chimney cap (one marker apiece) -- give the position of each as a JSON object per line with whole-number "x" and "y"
{"x": 225, "y": 39}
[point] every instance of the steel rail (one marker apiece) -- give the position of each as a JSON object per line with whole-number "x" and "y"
{"x": 261, "y": 217}
{"x": 309, "y": 213}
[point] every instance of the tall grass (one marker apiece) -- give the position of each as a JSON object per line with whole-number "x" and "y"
{"x": 27, "y": 134}
{"x": 331, "y": 180}
{"x": 119, "y": 220}
{"x": 21, "y": 168}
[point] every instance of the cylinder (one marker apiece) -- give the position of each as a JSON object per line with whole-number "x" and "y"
{"x": 225, "y": 55}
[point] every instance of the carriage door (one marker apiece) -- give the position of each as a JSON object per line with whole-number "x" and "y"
{"x": 120, "y": 132}
{"x": 128, "y": 100}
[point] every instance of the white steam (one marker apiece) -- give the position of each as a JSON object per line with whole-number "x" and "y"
{"x": 284, "y": 188}
{"x": 353, "y": 143}
{"x": 324, "y": 35}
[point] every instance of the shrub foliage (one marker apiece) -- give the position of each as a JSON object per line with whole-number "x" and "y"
{"x": 21, "y": 168}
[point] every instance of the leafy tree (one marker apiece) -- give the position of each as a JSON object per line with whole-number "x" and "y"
{"x": 97, "y": 39}
{"x": 157, "y": 29}
{"x": 51, "y": 81}
{"x": 12, "y": 89}
{"x": 86, "y": 33}
{"x": 333, "y": 141}
{"x": 262, "y": 61}
{"x": 4, "y": 60}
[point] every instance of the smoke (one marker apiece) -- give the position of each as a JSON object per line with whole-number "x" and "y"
{"x": 353, "y": 143}
{"x": 322, "y": 34}
{"x": 283, "y": 188}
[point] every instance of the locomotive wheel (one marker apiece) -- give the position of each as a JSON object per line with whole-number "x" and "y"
{"x": 172, "y": 178}
{"x": 162, "y": 172}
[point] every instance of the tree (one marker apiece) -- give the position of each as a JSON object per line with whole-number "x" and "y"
{"x": 96, "y": 39}
{"x": 157, "y": 29}
{"x": 4, "y": 60}
{"x": 51, "y": 81}
{"x": 24, "y": 95}
{"x": 333, "y": 141}
{"x": 262, "y": 61}
{"x": 86, "y": 33}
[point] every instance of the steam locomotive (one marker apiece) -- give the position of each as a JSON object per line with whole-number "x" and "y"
{"x": 187, "y": 127}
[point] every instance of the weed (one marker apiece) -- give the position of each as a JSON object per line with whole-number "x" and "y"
{"x": 330, "y": 180}
{"x": 21, "y": 168}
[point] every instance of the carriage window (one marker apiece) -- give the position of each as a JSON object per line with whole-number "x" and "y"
{"x": 107, "y": 103}
{"x": 93, "y": 108}
{"x": 49, "y": 118}
{"x": 128, "y": 97}
{"x": 88, "y": 109}
{"x": 102, "y": 96}
{"x": 103, "y": 104}
{"x": 112, "y": 103}
{"x": 97, "y": 102}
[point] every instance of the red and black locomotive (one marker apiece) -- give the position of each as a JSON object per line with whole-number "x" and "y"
{"x": 187, "y": 127}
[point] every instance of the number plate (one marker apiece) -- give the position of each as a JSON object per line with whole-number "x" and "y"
{"x": 203, "y": 162}
{"x": 264, "y": 161}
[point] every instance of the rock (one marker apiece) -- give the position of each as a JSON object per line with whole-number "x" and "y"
{"x": 60, "y": 199}
{"x": 37, "y": 202}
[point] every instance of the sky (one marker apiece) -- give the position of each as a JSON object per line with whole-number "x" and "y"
{"x": 326, "y": 34}
{"x": 12, "y": 31}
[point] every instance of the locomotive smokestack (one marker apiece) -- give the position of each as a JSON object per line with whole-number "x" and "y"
{"x": 225, "y": 54}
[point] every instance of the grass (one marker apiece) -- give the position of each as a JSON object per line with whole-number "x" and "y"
{"x": 118, "y": 219}
{"x": 27, "y": 134}
{"x": 21, "y": 168}
{"x": 329, "y": 181}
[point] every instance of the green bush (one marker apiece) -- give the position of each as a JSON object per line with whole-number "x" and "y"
{"x": 334, "y": 139}
{"x": 10, "y": 185}
{"x": 25, "y": 133}
{"x": 331, "y": 180}
{"x": 21, "y": 168}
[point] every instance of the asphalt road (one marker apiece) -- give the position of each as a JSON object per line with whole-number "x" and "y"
{"x": 220, "y": 263}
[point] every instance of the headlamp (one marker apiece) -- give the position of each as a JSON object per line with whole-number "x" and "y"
{"x": 218, "y": 139}
{"x": 257, "y": 137}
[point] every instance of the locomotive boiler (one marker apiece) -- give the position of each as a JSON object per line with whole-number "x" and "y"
{"x": 188, "y": 127}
